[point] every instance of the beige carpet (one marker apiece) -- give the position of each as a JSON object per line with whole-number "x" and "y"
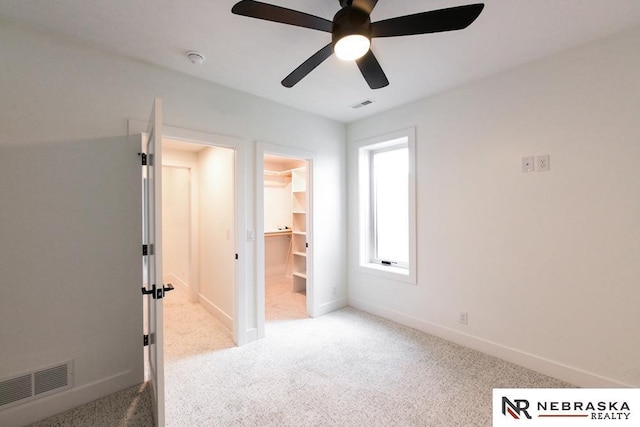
{"x": 283, "y": 304}
{"x": 128, "y": 408}
{"x": 189, "y": 329}
{"x": 347, "y": 368}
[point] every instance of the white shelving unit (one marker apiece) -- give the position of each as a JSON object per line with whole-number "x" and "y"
{"x": 299, "y": 230}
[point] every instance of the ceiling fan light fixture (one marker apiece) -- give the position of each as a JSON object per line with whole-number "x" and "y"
{"x": 352, "y": 47}
{"x": 352, "y": 30}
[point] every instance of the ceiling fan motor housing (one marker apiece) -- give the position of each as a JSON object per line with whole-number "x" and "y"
{"x": 350, "y": 21}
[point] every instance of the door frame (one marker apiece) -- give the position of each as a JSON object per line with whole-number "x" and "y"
{"x": 263, "y": 148}
{"x": 239, "y": 146}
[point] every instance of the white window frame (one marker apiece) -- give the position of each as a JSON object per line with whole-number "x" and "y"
{"x": 365, "y": 150}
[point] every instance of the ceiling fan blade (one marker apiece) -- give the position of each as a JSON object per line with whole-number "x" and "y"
{"x": 372, "y": 71}
{"x": 365, "y": 5}
{"x": 308, "y": 66}
{"x": 434, "y": 21}
{"x": 269, "y": 12}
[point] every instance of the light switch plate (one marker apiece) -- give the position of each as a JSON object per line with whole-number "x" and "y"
{"x": 527, "y": 164}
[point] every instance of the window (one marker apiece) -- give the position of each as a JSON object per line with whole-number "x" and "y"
{"x": 386, "y": 198}
{"x": 389, "y": 196}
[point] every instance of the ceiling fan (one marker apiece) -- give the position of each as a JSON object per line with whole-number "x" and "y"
{"x": 352, "y": 30}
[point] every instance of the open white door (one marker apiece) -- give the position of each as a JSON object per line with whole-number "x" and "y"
{"x": 152, "y": 262}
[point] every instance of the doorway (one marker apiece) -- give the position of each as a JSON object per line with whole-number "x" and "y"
{"x": 198, "y": 230}
{"x": 150, "y": 135}
{"x": 285, "y": 237}
{"x": 284, "y": 208}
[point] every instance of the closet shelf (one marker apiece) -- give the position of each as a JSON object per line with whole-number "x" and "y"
{"x": 277, "y": 233}
{"x": 299, "y": 237}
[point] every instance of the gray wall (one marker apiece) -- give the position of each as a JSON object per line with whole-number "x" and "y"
{"x": 70, "y": 262}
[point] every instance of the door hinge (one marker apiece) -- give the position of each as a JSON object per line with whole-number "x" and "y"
{"x": 306, "y": 245}
{"x": 145, "y": 340}
{"x": 236, "y": 256}
{"x": 143, "y": 158}
{"x": 145, "y": 250}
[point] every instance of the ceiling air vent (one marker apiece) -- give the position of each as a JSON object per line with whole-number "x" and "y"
{"x": 362, "y": 104}
{"x": 22, "y": 388}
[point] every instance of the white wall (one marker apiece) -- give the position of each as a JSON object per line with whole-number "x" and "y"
{"x": 277, "y": 202}
{"x": 187, "y": 247}
{"x": 217, "y": 228}
{"x": 177, "y": 157}
{"x": 65, "y": 107}
{"x": 176, "y": 224}
{"x": 545, "y": 263}
{"x": 278, "y": 208}
{"x": 277, "y": 256}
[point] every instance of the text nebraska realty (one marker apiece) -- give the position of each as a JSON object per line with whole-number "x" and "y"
{"x": 598, "y": 410}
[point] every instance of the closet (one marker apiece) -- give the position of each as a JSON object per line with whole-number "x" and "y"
{"x": 285, "y": 223}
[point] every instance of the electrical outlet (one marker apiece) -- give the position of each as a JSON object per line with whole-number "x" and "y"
{"x": 542, "y": 163}
{"x": 528, "y": 164}
{"x": 463, "y": 318}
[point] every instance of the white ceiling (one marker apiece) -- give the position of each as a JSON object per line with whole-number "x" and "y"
{"x": 254, "y": 56}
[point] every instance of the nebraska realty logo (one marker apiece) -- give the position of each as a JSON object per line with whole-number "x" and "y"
{"x": 566, "y": 407}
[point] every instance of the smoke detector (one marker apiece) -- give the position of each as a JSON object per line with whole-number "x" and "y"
{"x": 195, "y": 57}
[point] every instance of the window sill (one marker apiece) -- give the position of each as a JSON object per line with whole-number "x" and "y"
{"x": 388, "y": 272}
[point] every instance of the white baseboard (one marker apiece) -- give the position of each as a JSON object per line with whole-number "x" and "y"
{"x": 175, "y": 281}
{"x": 545, "y": 366}
{"x": 45, "y": 407}
{"x": 223, "y": 317}
{"x": 331, "y": 306}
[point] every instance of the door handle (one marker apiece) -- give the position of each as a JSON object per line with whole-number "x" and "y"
{"x": 158, "y": 293}
{"x": 151, "y": 291}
